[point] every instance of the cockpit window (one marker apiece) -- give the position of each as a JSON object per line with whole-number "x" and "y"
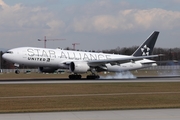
{"x": 9, "y": 52}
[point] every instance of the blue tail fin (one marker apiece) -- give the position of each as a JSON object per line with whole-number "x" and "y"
{"x": 147, "y": 47}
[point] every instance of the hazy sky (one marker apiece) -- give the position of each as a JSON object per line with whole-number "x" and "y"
{"x": 95, "y": 24}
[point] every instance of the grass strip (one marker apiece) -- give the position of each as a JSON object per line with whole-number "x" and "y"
{"x": 93, "y": 96}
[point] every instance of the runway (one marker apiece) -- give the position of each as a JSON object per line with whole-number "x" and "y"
{"x": 48, "y": 81}
{"x": 147, "y": 114}
{"x": 143, "y": 114}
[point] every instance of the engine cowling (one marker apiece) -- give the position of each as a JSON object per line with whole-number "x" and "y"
{"x": 79, "y": 67}
{"x": 47, "y": 69}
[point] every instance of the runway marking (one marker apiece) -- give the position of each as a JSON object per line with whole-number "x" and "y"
{"x": 86, "y": 95}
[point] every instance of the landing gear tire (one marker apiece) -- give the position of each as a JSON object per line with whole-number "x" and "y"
{"x": 75, "y": 77}
{"x": 17, "y": 71}
{"x": 93, "y": 77}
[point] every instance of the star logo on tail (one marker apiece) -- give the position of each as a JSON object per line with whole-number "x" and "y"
{"x": 145, "y": 50}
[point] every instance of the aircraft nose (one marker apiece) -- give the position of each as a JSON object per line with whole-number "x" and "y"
{"x": 4, "y": 56}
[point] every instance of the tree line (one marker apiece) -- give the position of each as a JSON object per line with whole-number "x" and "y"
{"x": 170, "y": 55}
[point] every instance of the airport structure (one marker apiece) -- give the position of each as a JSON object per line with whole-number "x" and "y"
{"x": 169, "y": 68}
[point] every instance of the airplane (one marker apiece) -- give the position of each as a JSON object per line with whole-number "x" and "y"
{"x": 79, "y": 62}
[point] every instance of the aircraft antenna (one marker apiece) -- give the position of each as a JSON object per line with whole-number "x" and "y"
{"x": 45, "y": 40}
{"x": 74, "y": 45}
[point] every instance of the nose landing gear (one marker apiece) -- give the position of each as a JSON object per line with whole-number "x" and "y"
{"x": 17, "y": 71}
{"x": 16, "y": 66}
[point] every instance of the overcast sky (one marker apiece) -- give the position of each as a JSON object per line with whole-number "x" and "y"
{"x": 95, "y": 24}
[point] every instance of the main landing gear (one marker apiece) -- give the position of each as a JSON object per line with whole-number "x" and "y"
{"x": 77, "y": 77}
{"x": 93, "y": 76}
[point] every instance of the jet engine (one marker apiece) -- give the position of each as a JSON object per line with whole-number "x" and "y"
{"x": 47, "y": 69}
{"x": 79, "y": 67}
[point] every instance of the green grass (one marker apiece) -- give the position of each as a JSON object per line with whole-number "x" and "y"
{"x": 101, "y": 96}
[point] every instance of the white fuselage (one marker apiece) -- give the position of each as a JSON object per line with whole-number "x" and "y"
{"x": 43, "y": 57}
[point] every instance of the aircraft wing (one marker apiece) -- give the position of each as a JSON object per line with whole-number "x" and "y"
{"x": 118, "y": 61}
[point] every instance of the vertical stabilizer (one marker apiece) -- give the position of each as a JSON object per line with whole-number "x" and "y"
{"x": 147, "y": 47}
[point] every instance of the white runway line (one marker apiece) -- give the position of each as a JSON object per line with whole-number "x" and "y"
{"x": 93, "y": 81}
{"x": 87, "y": 95}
